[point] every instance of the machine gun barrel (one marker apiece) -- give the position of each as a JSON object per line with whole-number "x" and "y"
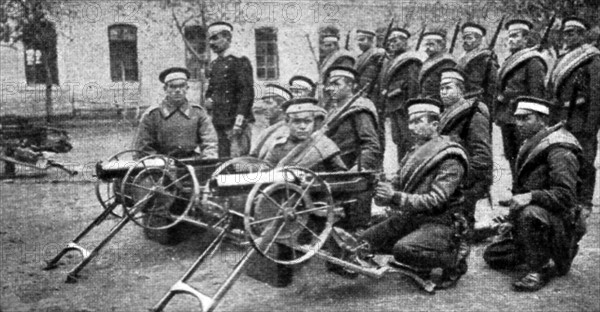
{"x": 118, "y": 169}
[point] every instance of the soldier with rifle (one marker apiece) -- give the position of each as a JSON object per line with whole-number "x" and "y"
{"x": 397, "y": 82}
{"x": 366, "y": 62}
{"x": 479, "y": 64}
{"x": 438, "y": 59}
{"x": 522, "y": 73}
{"x": 574, "y": 85}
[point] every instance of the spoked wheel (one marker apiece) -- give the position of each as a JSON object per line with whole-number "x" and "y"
{"x": 163, "y": 191}
{"x": 297, "y": 213}
{"x": 108, "y": 192}
{"x": 214, "y": 209}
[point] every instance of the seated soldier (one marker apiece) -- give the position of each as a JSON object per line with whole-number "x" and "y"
{"x": 174, "y": 126}
{"x": 301, "y": 86}
{"x": 426, "y": 225}
{"x": 298, "y": 146}
{"x": 274, "y": 98}
{"x": 544, "y": 220}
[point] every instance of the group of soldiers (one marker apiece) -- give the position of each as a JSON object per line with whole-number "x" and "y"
{"x": 440, "y": 112}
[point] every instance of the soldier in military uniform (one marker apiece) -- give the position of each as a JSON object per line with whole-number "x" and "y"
{"x": 398, "y": 82}
{"x": 230, "y": 93}
{"x": 177, "y": 128}
{"x": 438, "y": 59}
{"x": 366, "y": 62}
{"x": 331, "y": 54}
{"x": 544, "y": 219}
{"x": 468, "y": 121}
{"x": 300, "y": 146}
{"x": 479, "y": 64}
{"x": 301, "y": 87}
{"x": 425, "y": 224}
{"x": 355, "y": 134}
{"x": 522, "y": 73}
{"x": 575, "y": 86}
{"x": 274, "y": 97}
{"x": 174, "y": 126}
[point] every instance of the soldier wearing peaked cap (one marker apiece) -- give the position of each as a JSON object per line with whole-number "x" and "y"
{"x": 302, "y": 86}
{"x": 174, "y": 126}
{"x": 397, "y": 82}
{"x": 479, "y": 64}
{"x": 425, "y": 224}
{"x": 469, "y": 122}
{"x": 544, "y": 218}
{"x": 429, "y": 77}
{"x": 521, "y": 74}
{"x": 366, "y": 62}
{"x": 574, "y": 85}
{"x": 230, "y": 92}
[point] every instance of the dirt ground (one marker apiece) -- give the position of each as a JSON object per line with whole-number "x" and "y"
{"x": 40, "y": 214}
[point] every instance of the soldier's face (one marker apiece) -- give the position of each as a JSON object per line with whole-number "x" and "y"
{"x": 516, "y": 41}
{"x": 450, "y": 93}
{"x": 397, "y": 44}
{"x": 421, "y": 128}
{"x": 433, "y": 47}
{"x": 471, "y": 41}
{"x": 176, "y": 89}
{"x": 528, "y": 125}
{"x": 219, "y": 42}
{"x": 301, "y": 125}
{"x": 337, "y": 89}
{"x": 273, "y": 104}
{"x": 326, "y": 47}
{"x": 364, "y": 43}
{"x": 572, "y": 38}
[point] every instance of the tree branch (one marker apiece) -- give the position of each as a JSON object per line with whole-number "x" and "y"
{"x": 188, "y": 45}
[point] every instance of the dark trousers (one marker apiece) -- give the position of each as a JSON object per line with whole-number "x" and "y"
{"x": 233, "y": 146}
{"x": 538, "y": 237}
{"x": 589, "y": 144}
{"x": 400, "y": 134}
{"x": 425, "y": 246}
{"x": 511, "y": 143}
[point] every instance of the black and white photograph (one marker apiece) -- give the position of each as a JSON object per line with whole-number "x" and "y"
{"x": 298, "y": 155}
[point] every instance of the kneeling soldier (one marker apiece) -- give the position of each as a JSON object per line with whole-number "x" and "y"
{"x": 544, "y": 219}
{"x": 426, "y": 225}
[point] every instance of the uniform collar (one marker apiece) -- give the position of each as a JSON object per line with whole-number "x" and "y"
{"x": 167, "y": 109}
{"x": 228, "y": 52}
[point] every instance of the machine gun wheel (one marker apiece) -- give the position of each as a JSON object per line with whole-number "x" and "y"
{"x": 163, "y": 192}
{"x": 297, "y": 213}
{"x": 108, "y": 192}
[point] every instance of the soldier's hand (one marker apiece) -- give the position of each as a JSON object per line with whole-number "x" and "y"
{"x": 208, "y": 104}
{"x": 384, "y": 192}
{"x": 518, "y": 202}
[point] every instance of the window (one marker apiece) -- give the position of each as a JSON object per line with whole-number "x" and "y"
{"x": 39, "y": 42}
{"x": 267, "y": 60}
{"x": 122, "y": 40}
{"x": 196, "y": 36}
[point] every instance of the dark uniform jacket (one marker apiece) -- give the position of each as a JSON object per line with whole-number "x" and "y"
{"x": 430, "y": 75}
{"x": 522, "y": 73}
{"x": 165, "y": 129}
{"x": 548, "y": 166}
{"x": 428, "y": 181}
{"x": 481, "y": 69}
{"x": 398, "y": 82}
{"x": 231, "y": 87}
{"x": 366, "y": 65}
{"x": 355, "y": 133}
{"x": 468, "y": 122}
{"x": 579, "y": 68}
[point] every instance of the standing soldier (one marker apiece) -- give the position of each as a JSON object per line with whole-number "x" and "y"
{"x": 480, "y": 65}
{"x": 522, "y": 73}
{"x": 174, "y": 126}
{"x": 230, "y": 93}
{"x": 575, "y": 85}
{"x": 469, "y": 122}
{"x": 366, "y": 63}
{"x": 331, "y": 54}
{"x": 398, "y": 81}
{"x": 438, "y": 59}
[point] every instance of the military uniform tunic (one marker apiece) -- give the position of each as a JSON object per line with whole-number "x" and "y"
{"x": 430, "y": 75}
{"x": 481, "y": 68}
{"x": 167, "y": 129}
